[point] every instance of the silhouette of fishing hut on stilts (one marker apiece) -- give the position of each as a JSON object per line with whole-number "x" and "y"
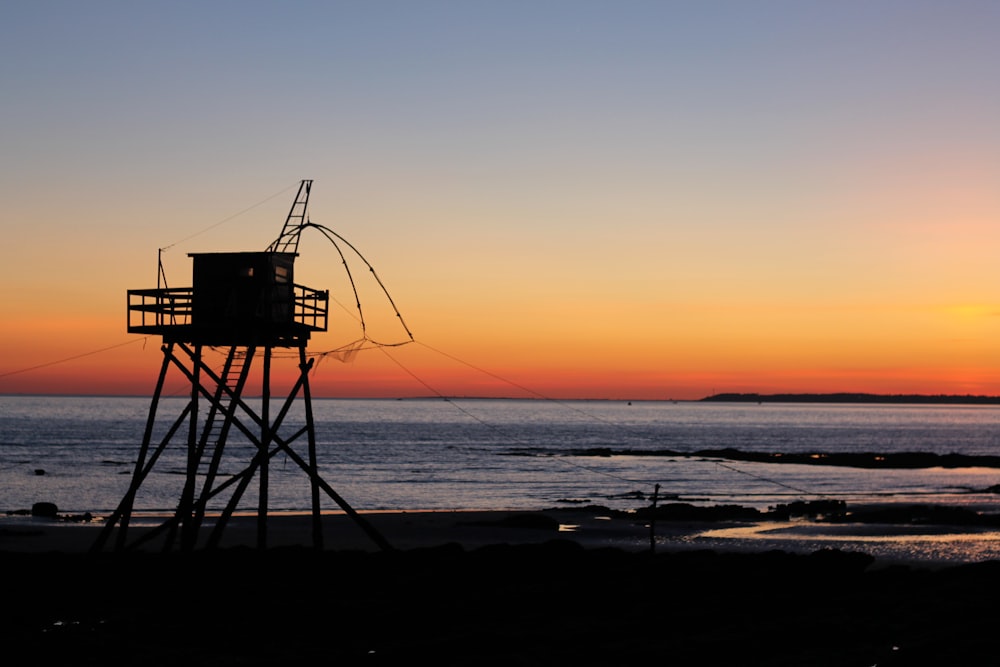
{"x": 248, "y": 305}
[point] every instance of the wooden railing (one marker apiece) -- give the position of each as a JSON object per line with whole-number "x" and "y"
{"x": 311, "y": 307}
{"x": 152, "y": 310}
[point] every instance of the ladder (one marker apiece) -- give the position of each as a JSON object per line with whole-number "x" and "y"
{"x": 288, "y": 241}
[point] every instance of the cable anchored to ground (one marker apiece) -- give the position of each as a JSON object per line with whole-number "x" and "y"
{"x": 562, "y": 460}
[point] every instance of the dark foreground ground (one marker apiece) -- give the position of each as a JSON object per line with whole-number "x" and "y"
{"x": 553, "y": 603}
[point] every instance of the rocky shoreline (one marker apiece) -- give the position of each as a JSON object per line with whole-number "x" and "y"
{"x": 869, "y": 460}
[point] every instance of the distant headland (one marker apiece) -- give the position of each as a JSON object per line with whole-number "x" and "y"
{"x": 851, "y": 397}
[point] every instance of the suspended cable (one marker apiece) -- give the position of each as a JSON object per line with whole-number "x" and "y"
{"x": 348, "y": 351}
{"x": 227, "y": 219}
{"x": 350, "y": 278}
{"x": 494, "y": 427}
{"x": 516, "y": 385}
{"x": 74, "y": 357}
{"x": 727, "y": 466}
{"x": 437, "y": 393}
{"x": 769, "y": 480}
{"x": 330, "y": 234}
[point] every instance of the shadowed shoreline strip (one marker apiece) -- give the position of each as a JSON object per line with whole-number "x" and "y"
{"x": 539, "y": 604}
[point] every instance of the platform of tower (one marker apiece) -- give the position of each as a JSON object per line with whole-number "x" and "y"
{"x": 236, "y": 298}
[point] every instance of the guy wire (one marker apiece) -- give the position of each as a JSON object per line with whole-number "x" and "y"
{"x": 721, "y": 464}
{"x": 227, "y": 219}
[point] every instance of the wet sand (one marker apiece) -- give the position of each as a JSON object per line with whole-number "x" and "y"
{"x": 906, "y": 542}
{"x": 484, "y": 588}
{"x": 402, "y": 530}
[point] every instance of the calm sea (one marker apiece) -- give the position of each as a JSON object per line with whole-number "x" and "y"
{"x": 79, "y": 452}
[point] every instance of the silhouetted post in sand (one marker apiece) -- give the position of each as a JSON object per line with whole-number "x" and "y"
{"x": 652, "y": 521}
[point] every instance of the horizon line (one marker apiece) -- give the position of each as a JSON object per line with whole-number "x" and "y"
{"x": 737, "y": 397}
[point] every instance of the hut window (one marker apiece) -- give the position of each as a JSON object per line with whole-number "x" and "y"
{"x": 281, "y": 274}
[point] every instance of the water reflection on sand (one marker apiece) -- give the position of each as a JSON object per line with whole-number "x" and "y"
{"x": 887, "y": 542}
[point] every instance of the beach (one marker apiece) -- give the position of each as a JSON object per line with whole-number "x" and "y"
{"x": 909, "y": 537}
{"x": 403, "y": 530}
{"x": 463, "y": 588}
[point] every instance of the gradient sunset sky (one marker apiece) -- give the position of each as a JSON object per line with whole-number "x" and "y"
{"x": 615, "y": 199}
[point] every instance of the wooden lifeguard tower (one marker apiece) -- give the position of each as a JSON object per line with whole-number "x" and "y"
{"x": 245, "y": 305}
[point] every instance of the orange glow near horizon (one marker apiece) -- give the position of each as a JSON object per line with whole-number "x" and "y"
{"x": 612, "y": 372}
{"x": 632, "y": 352}
{"x": 642, "y": 346}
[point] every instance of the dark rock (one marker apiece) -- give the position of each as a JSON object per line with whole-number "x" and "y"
{"x": 527, "y": 520}
{"x": 688, "y": 512}
{"x": 828, "y": 509}
{"x": 45, "y": 510}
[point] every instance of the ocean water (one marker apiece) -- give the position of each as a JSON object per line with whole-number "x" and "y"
{"x": 80, "y": 452}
